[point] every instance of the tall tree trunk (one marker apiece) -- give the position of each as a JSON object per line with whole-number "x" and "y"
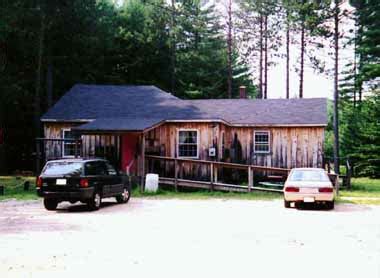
{"x": 336, "y": 92}
{"x": 287, "y": 56}
{"x": 173, "y": 49}
{"x": 266, "y": 56}
{"x": 37, "y": 96}
{"x": 302, "y": 59}
{"x": 229, "y": 50}
{"x": 49, "y": 82}
{"x": 355, "y": 73}
{"x": 260, "y": 95}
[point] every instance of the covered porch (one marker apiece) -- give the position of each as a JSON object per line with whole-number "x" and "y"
{"x": 124, "y": 144}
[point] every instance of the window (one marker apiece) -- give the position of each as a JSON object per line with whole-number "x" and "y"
{"x": 63, "y": 168}
{"x": 95, "y": 168}
{"x": 309, "y": 175}
{"x": 188, "y": 143}
{"x": 68, "y": 148}
{"x": 261, "y": 141}
{"x": 111, "y": 171}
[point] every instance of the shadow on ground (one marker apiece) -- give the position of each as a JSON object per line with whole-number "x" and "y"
{"x": 80, "y": 207}
{"x": 338, "y": 207}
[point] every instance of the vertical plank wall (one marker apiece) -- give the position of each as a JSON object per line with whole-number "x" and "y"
{"x": 289, "y": 146}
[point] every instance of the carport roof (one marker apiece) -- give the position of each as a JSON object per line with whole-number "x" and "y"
{"x": 119, "y": 124}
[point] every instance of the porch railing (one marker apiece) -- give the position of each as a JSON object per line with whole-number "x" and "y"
{"x": 174, "y": 174}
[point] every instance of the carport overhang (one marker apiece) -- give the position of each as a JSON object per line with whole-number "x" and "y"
{"x": 118, "y": 126}
{"x": 123, "y": 126}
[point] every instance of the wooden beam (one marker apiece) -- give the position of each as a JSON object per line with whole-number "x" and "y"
{"x": 38, "y": 157}
{"x": 212, "y": 177}
{"x": 216, "y": 174}
{"x": 142, "y": 170}
{"x": 176, "y": 175}
{"x": 250, "y": 178}
{"x": 221, "y": 164}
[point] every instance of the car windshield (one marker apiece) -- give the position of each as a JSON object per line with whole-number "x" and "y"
{"x": 60, "y": 168}
{"x": 309, "y": 175}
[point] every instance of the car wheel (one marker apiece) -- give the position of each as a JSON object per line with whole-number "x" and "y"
{"x": 50, "y": 204}
{"x": 95, "y": 202}
{"x": 286, "y": 204}
{"x": 330, "y": 205}
{"x": 124, "y": 197}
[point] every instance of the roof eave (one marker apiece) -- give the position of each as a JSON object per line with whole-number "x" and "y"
{"x": 67, "y": 121}
{"x": 279, "y": 125}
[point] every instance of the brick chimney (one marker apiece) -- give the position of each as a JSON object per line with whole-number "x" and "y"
{"x": 243, "y": 92}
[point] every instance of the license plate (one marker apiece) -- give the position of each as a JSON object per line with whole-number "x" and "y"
{"x": 61, "y": 181}
{"x": 308, "y": 199}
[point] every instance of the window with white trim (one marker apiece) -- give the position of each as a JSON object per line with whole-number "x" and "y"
{"x": 188, "y": 143}
{"x": 68, "y": 148}
{"x": 261, "y": 141}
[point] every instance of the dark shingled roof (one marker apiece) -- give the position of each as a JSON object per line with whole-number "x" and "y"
{"x": 312, "y": 111}
{"x": 118, "y": 124}
{"x": 139, "y": 107}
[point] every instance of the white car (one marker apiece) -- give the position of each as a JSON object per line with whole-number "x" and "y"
{"x": 309, "y": 185}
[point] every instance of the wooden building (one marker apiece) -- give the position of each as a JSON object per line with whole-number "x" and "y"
{"x": 125, "y": 123}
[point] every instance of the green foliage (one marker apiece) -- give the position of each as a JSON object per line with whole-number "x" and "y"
{"x": 361, "y": 133}
{"x": 14, "y": 188}
{"x": 94, "y": 41}
{"x": 360, "y": 124}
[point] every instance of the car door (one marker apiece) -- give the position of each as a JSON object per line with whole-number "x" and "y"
{"x": 95, "y": 171}
{"x": 114, "y": 180}
{"x": 105, "y": 178}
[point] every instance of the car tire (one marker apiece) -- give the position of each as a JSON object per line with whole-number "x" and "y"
{"x": 330, "y": 205}
{"x": 124, "y": 197}
{"x": 50, "y": 204}
{"x": 286, "y": 204}
{"x": 95, "y": 202}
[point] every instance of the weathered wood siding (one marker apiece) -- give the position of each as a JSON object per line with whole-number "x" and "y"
{"x": 289, "y": 146}
{"x": 92, "y": 145}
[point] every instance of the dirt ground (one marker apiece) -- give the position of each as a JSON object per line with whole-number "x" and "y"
{"x": 189, "y": 238}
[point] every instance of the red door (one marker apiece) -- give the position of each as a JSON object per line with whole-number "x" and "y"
{"x": 129, "y": 150}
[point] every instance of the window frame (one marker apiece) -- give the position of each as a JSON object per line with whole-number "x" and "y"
{"x": 254, "y": 142}
{"x": 64, "y": 143}
{"x": 198, "y": 142}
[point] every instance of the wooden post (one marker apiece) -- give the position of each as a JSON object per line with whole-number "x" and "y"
{"x": 337, "y": 184}
{"x": 348, "y": 174}
{"x": 76, "y": 149}
{"x": 212, "y": 177}
{"x": 216, "y": 174}
{"x": 176, "y": 175}
{"x": 142, "y": 170}
{"x": 250, "y": 178}
{"x": 328, "y": 166}
{"x": 38, "y": 157}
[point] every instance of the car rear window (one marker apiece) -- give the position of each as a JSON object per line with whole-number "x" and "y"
{"x": 307, "y": 175}
{"x": 60, "y": 168}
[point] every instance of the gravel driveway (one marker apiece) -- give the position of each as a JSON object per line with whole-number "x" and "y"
{"x": 189, "y": 238}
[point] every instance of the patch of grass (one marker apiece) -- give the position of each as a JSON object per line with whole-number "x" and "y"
{"x": 363, "y": 187}
{"x": 205, "y": 194}
{"x": 14, "y": 188}
{"x": 365, "y": 191}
